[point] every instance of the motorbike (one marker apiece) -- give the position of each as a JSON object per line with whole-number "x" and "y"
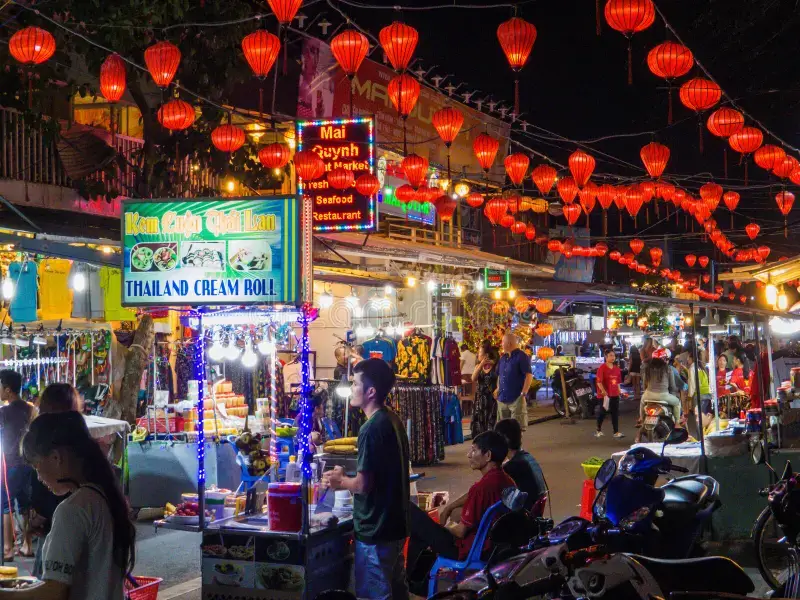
{"x": 658, "y": 422}
{"x": 581, "y": 401}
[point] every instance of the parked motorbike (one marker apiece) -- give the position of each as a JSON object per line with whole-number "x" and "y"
{"x": 581, "y": 401}
{"x": 658, "y": 422}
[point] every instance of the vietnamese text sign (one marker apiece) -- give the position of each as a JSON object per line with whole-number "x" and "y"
{"x": 496, "y": 279}
{"x": 211, "y": 252}
{"x": 347, "y": 144}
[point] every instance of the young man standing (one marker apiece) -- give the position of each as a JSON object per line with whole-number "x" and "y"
{"x": 380, "y": 487}
{"x": 514, "y": 381}
{"x": 607, "y": 382}
{"x": 521, "y": 466}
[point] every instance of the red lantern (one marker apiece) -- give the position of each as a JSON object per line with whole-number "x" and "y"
{"x": 32, "y": 45}
{"x": 227, "y": 138}
{"x": 605, "y": 195}
{"x": 700, "y": 94}
{"x": 162, "y": 60}
{"x": 415, "y": 168}
{"x": 634, "y": 199}
{"x": 615, "y": 255}
{"x": 494, "y": 210}
{"x": 176, "y": 115}
{"x": 341, "y": 178}
{"x": 350, "y": 48}
{"x": 445, "y": 208}
{"x": 665, "y": 190}
{"x": 794, "y": 176}
{"x": 670, "y": 61}
{"x": 763, "y": 252}
{"x": 630, "y": 17}
{"x": 516, "y": 167}
{"x": 601, "y": 248}
{"x": 655, "y": 256}
{"x": 588, "y": 196}
{"x": 518, "y": 228}
{"x": 507, "y": 221}
{"x": 512, "y": 204}
{"x": 544, "y": 176}
{"x": 752, "y": 230}
{"x": 581, "y": 165}
{"x": 785, "y": 202}
{"x": 571, "y": 213}
{"x": 690, "y": 259}
{"x": 724, "y": 122}
{"x": 516, "y": 37}
{"x": 405, "y": 194}
{"x": 567, "y": 189}
{"x": 367, "y": 184}
{"x": 706, "y": 278}
{"x": 703, "y": 261}
{"x": 769, "y": 156}
{"x": 285, "y": 10}
{"x": 112, "y": 78}
{"x": 711, "y": 193}
{"x": 530, "y": 232}
{"x": 261, "y": 50}
{"x": 742, "y": 298}
{"x": 426, "y": 193}
{"x": 636, "y": 245}
{"x": 746, "y": 141}
{"x": 404, "y": 92}
{"x": 655, "y": 157}
{"x": 554, "y": 246}
{"x": 399, "y": 42}
{"x": 309, "y": 165}
{"x": 448, "y": 122}
{"x": 731, "y": 200}
{"x": 474, "y": 199}
{"x": 784, "y": 168}
{"x": 275, "y": 155}
{"x": 485, "y": 148}
{"x": 627, "y": 259}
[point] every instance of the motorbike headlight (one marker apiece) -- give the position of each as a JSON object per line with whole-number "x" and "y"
{"x": 635, "y": 517}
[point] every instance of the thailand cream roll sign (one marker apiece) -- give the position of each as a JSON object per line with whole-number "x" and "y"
{"x": 211, "y": 252}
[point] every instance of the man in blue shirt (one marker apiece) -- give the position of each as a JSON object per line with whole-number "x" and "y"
{"x": 514, "y": 380}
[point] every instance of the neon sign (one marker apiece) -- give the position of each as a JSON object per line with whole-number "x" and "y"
{"x": 496, "y": 279}
{"x": 347, "y": 144}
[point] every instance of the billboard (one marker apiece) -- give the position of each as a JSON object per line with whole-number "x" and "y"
{"x": 324, "y": 93}
{"x": 577, "y": 269}
{"x": 347, "y": 144}
{"x": 211, "y": 252}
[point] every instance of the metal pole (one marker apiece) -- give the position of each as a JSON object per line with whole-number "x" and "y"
{"x": 713, "y": 379}
{"x": 200, "y": 375}
{"x": 605, "y": 314}
{"x": 703, "y": 464}
{"x": 760, "y": 365}
{"x": 768, "y": 338}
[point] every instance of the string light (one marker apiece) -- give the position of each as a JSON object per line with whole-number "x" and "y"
{"x": 305, "y": 406}
{"x": 200, "y": 377}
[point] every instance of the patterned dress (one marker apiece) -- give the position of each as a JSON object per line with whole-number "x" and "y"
{"x": 484, "y": 417}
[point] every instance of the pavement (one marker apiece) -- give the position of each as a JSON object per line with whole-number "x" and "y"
{"x": 559, "y": 448}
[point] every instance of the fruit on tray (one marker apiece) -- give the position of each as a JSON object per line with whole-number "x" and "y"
{"x": 348, "y": 441}
{"x": 255, "y": 458}
{"x": 342, "y": 446}
{"x": 286, "y": 431}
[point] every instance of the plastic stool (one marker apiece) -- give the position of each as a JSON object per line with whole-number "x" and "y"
{"x": 587, "y": 499}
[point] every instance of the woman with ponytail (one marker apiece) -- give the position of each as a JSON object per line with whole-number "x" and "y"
{"x": 91, "y": 545}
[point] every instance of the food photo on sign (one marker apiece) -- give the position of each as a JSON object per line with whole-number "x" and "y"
{"x": 207, "y": 252}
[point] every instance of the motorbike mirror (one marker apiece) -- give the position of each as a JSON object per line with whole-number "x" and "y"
{"x": 758, "y": 455}
{"x": 607, "y": 470}
{"x": 677, "y": 436}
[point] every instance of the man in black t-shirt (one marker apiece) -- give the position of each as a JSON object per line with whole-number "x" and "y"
{"x": 380, "y": 487}
{"x": 521, "y": 466}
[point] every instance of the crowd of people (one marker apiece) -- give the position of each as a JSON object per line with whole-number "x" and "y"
{"x": 68, "y": 496}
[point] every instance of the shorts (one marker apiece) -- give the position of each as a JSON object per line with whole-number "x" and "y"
{"x": 19, "y": 488}
{"x": 379, "y": 571}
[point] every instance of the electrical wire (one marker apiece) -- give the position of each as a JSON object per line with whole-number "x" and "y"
{"x": 435, "y": 7}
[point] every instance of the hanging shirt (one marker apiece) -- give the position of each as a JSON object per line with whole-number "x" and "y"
{"x": 381, "y": 346}
{"x": 452, "y": 360}
{"x": 23, "y": 304}
{"x": 88, "y": 302}
{"x": 413, "y": 357}
{"x": 55, "y": 297}
{"x": 111, "y": 283}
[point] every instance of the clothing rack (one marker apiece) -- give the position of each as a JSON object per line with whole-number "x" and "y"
{"x": 421, "y": 406}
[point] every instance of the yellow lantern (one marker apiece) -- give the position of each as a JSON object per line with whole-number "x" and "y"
{"x": 539, "y": 206}
{"x": 545, "y": 353}
{"x": 500, "y": 307}
{"x": 525, "y": 204}
{"x": 521, "y": 303}
{"x": 462, "y": 189}
{"x": 544, "y": 306}
{"x": 544, "y": 329}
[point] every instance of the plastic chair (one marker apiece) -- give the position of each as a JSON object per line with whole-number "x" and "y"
{"x": 247, "y": 480}
{"x": 473, "y": 561}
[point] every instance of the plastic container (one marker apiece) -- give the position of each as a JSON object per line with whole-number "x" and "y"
{"x": 284, "y": 507}
{"x": 590, "y": 470}
{"x": 215, "y": 501}
{"x": 587, "y": 499}
{"x": 147, "y": 590}
{"x": 292, "y": 470}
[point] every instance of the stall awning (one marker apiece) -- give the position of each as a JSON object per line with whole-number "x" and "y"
{"x": 776, "y": 272}
{"x": 378, "y": 246}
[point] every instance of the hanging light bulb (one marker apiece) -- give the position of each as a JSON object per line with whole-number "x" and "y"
{"x": 497, "y": 294}
{"x": 325, "y": 300}
{"x": 352, "y": 299}
{"x": 458, "y": 290}
{"x": 231, "y": 350}
{"x": 479, "y": 285}
{"x": 388, "y": 290}
{"x": 249, "y": 358}
{"x": 431, "y": 285}
{"x": 343, "y": 390}
{"x": 772, "y": 295}
{"x": 783, "y": 300}
{"x": 79, "y": 282}
{"x": 512, "y": 293}
{"x": 411, "y": 281}
{"x": 216, "y": 352}
{"x": 8, "y": 288}
{"x": 266, "y": 347}
{"x": 461, "y": 188}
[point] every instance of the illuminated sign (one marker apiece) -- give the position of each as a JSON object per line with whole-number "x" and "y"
{"x": 211, "y": 252}
{"x": 347, "y": 144}
{"x": 496, "y": 279}
{"x": 623, "y": 309}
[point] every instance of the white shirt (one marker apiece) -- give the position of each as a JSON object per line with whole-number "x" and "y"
{"x": 467, "y": 362}
{"x": 77, "y": 551}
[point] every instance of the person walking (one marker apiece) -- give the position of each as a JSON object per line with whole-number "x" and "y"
{"x": 15, "y": 417}
{"x": 381, "y": 487}
{"x": 607, "y": 382}
{"x": 635, "y": 372}
{"x": 514, "y": 377}
{"x": 484, "y": 375}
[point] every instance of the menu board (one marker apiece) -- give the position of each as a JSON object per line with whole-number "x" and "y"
{"x": 211, "y": 252}
{"x": 347, "y": 144}
{"x": 496, "y": 279}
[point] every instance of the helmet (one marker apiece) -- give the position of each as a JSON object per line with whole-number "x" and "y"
{"x": 662, "y": 353}
{"x": 641, "y": 463}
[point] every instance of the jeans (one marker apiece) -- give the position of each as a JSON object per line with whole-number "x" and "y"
{"x": 613, "y": 409}
{"x": 518, "y": 409}
{"x": 379, "y": 571}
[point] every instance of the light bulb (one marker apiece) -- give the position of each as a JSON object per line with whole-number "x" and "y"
{"x": 411, "y": 281}
{"x": 325, "y": 300}
{"x": 8, "y": 289}
{"x": 353, "y": 300}
{"x": 231, "y": 185}
{"x": 479, "y": 285}
{"x": 277, "y": 172}
{"x": 431, "y": 285}
{"x": 343, "y": 391}
{"x": 387, "y": 191}
{"x": 388, "y": 290}
{"x": 266, "y": 347}
{"x": 79, "y": 282}
{"x": 783, "y": 300}
{"x": 231, "y": 351}
{"x": 216, "y": 352}
{"x": 772, "y": 294}
{"x": 249, "y": 358}
{"x": 497, "y": 294}
{"x": 458, "y": 290}
{"x": 512, "y": 293}
{"x": 358, "y": 312}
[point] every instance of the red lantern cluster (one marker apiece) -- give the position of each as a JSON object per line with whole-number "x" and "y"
{"x": 415, "y": 168}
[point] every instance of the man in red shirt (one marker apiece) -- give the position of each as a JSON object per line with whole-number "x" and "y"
{"x": 607, "y": 382}
{"x": 454, "y": 539}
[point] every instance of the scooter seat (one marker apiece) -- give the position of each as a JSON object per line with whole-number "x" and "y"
{"x": 711, "y": 573}
{"x": 687, "y": 492}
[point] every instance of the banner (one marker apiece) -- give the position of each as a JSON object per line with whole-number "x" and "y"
{"x": 324, "y": 92}
{"x": 578, "y": 269}
{"x": 211, "y": 252}
{"x": 346, "y": 144}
